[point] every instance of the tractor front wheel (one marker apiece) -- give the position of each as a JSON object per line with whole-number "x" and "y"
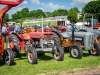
{"x": 58, "y": 53}
{"x": 8, "y": 57}
{"x": 96, "y": 50}
{"x": 32, "y": 55}
{"x": 76, "y": 51}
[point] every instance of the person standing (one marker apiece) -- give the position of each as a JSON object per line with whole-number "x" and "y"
{"x": 8, "y": 29}
{"x": 69, "y": 27}
{"x": 12, "y": 27}
{"x": 4, "y": 32}
{"x": 17, "y": 28}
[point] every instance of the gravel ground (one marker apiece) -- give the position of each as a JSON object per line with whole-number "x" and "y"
{"x": 87, "y": 71}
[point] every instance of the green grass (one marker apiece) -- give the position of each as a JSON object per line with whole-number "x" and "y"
{"x": 47, "y": 64}
{"x": 51, "y": 23}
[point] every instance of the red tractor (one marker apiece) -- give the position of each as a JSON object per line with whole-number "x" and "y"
{"x": 35, "y": 41}
{"x": 7, "y": 54}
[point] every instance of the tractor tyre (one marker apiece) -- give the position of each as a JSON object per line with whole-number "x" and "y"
{"x": 97, "y": 51}
{"x": 13, "y": 38}
{"x": 76, "y": 51}
{"x": 56, "y": 37}
{"x": 58, "y": 53}
{"x": 8, "y": 57}
{"x": 32, "y": 55}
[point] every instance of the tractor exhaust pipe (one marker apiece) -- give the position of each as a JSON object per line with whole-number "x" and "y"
{"x": 73, "y": 32}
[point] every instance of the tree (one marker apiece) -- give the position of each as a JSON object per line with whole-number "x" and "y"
{"x": 25, "y": 12}
{"x": 40, "y": 13}
{"x": 93, "y": 7}
{"x": 32, "y": 13}
{"x": 75, "y": 8}
{"x": 60, "y": 12}
{"x": 6, "y": 18}
{"x": 72, "y": 15}
{"x": 48, "y": 14}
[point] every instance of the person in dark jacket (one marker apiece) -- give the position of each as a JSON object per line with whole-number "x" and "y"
{"x": 11, "y": 27}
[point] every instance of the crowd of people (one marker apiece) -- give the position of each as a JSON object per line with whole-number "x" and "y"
{"x": 70, "y": 27}
{"x": 7, "y": 30}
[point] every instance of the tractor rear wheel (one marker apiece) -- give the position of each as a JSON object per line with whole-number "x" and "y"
{"x": 96, "y": 52}
{"x": 14, "y": 44}
{"x": 32, "y": 55}
{"x": 57, "y": 37}
{"x": 58, "y": 53}
{"x": 76, "y": 51}
{"x": 8, "y": 57}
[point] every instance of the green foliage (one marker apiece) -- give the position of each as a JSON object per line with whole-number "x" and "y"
{"x": 48, "y": 14}
{"x": 75, "y": 8}
{"x": 72, "y": 15}
{"x": 25, "y": 12}
{"x": 6, "y": 18}
{"x": 93, "y": 7}
{"x": 60, "y": 12}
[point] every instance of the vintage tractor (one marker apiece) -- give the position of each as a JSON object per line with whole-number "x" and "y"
{"x": 76, "y": 42}
{"x": 35, "y": 41}
{"x": 7, "y": 54}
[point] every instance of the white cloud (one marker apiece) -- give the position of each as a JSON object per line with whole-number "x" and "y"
{"x": 54, "y": 6}
{"x": 25, "y": 2}
{"x": 35, "y": 1}
{"x": 75, "y": 2}
{"x": 41, "y": 9}
{"x": 49, "y": 5}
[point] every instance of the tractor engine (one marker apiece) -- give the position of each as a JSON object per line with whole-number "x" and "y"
{"x": 27, "y": 44}
{"x": 42, "y": 41}
{"x": 45, "y": 44}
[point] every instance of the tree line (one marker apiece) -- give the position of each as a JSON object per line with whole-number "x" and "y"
{"x": 92, "y": 7}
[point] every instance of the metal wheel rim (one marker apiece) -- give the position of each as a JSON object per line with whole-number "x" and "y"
{"x": 93, "y": 52}
{"x": 7, "y": 58}
{"x": 30, "y": 57}
{"x": 74, "y": 52}
{"x": 57, "y": 54}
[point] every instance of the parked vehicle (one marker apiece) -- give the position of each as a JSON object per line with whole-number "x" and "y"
{"x": 6, "y": 55}
{"x": 36, "y": 42}
{"x": 76, "y": 42}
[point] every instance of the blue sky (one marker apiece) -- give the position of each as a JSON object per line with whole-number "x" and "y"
{"x": 49, "y": 5}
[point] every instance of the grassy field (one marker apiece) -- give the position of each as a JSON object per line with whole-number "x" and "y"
{"x": 47, "y": 64}
{"x": 51, "y": 23}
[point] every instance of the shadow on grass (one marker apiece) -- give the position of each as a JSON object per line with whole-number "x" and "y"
{"x": 45, "y": 57}
{"x": 86, "y": 54}
{"x": 21, "y": 56}
{"x": 1, "y": 63}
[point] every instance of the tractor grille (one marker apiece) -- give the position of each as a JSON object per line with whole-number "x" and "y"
{"x": 90, "y": 41}
{"x": 48, "y": 36}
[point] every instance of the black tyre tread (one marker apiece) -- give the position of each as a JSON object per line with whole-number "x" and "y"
{"x": 61, "y": 51}
{"x": 34, "y": 53}
{"x": 16, "y": 44}
{"x": 11, "y": 56}
{"x": 14, "y": 37}
{"x": 79, "y": 50}
{"x": 56, "y": 37}
{"x": 98, "y": 49}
